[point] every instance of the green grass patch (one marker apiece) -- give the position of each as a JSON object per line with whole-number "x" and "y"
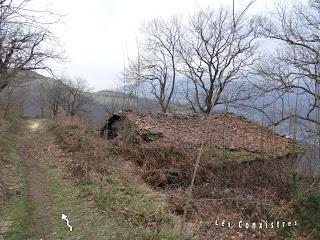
{"x": 141, "y": 215}
{"x": 123, "y": 212}
{"x": 307, "y": 211}
{"x": 305, "y": 205}
{"x": 86, "y": 221}
{"x": 16, "y": 213}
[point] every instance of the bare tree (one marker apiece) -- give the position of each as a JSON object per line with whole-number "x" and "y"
{"x": 216, "y": 49}
{"x": 26, "y": 42}
{"x": 157, "y": 63}
{"x": 293, "y": 72}
{"x": 290, "y": 77}
{"x": 75, "y": 98}
{"x": 55, "y": 95}
{"x": 111, "y": 106}
{"x": 294, "y": 68}
{"x": 8, "y": 97}
{"x": 39, "y": 96}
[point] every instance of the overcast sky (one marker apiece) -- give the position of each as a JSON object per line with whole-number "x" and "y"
{"x": 98, "y": 34}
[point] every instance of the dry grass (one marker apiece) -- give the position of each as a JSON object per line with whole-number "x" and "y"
{"x": 113, "y": 184}
{"x": 170, "y": 168}
{"x": 88, "y": 151}
{"x": 225, "y": 188}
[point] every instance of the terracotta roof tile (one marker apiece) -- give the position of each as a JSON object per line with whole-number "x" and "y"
{"x": 237, "y": 131}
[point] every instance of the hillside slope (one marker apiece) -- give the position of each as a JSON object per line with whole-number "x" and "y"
{"x": 48, "y": 182}
{"x": 27, "y": 96}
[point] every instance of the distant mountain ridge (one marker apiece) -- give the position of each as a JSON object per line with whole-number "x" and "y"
{"x": 104, "y": 101}
{"x": 117, "y": 99}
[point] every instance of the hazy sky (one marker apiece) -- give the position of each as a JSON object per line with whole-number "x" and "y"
{"x": 99, "y": 34}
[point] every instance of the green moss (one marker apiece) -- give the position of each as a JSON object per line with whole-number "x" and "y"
{"x": 149, "y": 137}
{"x": 243, "y": 156}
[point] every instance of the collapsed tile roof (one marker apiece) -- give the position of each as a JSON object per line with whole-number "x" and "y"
{"x": 221, "y": 129}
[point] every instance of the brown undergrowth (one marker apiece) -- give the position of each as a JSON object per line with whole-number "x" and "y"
{"x": 249, "y": 190}
{"x": 88, "y": 151}
{"x": 230, "y": 185}
{"x": 113, "y": 184}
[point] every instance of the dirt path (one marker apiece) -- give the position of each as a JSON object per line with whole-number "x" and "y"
{"x": 36, "y": 184}
{"x": 48, "y": 190}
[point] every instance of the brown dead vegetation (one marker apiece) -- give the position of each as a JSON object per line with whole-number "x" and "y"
{"x": 169, "y": 168}
{"x": 224, "y": 189}
{"x": 88, "y": 151}
{"x": 230, "y": 183}
{"x": 254, "y": 189}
